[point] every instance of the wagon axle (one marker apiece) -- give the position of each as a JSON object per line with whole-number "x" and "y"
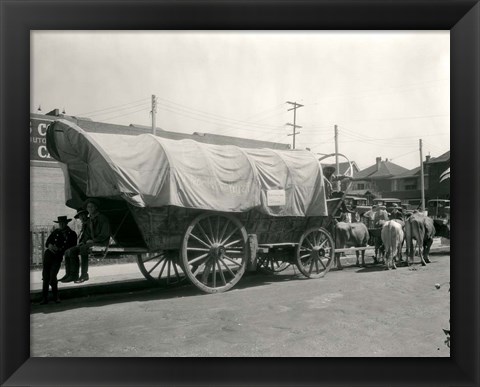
{"x": 217, "y": 251}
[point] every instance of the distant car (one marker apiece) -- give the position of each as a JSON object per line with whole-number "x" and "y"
{"x": 388, "y": 203}
{"x": 357, "y": 204}
{"x": 438, "y": 208}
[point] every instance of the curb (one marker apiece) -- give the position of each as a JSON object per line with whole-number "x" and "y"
{"x": 96, "y": 289}
{"x": 122, "y": 286}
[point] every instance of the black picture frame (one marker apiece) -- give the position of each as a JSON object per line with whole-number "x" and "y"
{"x": 18, "y": 17}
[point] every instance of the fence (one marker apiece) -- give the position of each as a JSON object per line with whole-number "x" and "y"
{"x": 38, "y": 238}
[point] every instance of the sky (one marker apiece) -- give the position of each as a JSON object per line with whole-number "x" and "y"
{"x": 384, "y": 90}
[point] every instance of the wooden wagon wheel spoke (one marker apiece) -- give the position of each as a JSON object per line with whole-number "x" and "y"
{"x": 223, "y": 243}
{"x": 198, "y": 269}
{"x": 205, "y": 235}
{"x": 156, "y": 265}
{"x": 324, "y": 267}
{"x": 232, "y": 243}
{"x": 210, "y": 229}
{"x": 153, "y": 268}
{"x": 227, "y": 267}
{"x": 225, "y": 226}
{"x": 232, "y": 261}
{"x": 222, "y": 276}
{"x": 233, "y": 252}
{"x": 206, "y": 272}
{"x": 305, "y": 255}
{"x": 162, "y": 269}
{"x": 196, "y": 259}
{"x": 319, "y": 243}
{"x": 310, "y": 243}
{"x": 152, "y": 258}
{"x": 312, "y": 262}
{"x": 202, "y": 242}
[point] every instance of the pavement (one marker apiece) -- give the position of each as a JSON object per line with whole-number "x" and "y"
{"x": 114, "y": 277}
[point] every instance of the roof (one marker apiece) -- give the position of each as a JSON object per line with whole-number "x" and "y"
{"x": 440, "y": 159}
{"x": 411, "y": 173}
{"x": 135, "y": 129}
{"x": 386, "y": 169}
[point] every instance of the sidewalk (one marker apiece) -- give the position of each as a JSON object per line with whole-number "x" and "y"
{"x": 109, "y": 278}
{"x": 122, "y": 277}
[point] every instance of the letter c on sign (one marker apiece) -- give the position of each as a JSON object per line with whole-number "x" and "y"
{"x": 42, "y": 129}
{"x": 42, "y": 152}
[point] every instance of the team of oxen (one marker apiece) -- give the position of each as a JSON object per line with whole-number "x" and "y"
{"x": 389, "y": 237}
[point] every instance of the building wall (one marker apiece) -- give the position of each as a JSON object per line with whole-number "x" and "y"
{"x": 47, "y": 197}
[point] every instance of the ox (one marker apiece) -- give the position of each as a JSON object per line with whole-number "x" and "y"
{"x": 419, "y": 227}
{"x": 392, "y": 238}
{"x": 350, "y": 235}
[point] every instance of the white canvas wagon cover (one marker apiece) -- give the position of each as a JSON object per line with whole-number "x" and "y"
{"x": 151, "y": 171}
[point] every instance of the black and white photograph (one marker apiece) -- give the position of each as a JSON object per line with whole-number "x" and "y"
{"x": 240, "y": 193}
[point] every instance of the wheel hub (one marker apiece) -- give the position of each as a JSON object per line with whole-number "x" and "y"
{"x": 319, "y": 250}
{"x": 217, "y": 251}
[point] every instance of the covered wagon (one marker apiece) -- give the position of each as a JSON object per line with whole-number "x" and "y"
{"x": 200, "y": 211}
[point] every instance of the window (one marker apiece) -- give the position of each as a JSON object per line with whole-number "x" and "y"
{"x": 360, "y": 186}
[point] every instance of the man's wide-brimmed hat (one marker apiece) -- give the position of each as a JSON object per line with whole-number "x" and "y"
{"x": 395, "y": 205}
{"x": 62, "y": 219}
{"x": 96, "y": 202}
{"x": 80, "y": 212}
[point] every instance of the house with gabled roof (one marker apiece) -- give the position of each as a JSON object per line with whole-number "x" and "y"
{"x": 376, "y": 180}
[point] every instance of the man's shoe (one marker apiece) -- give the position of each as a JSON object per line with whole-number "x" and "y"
{"x": 82, "y": 278}
{"x": 43, "y": 302}
{"x": 57, "y": 301}
{"x": 64, "y": 278}
{"x": 68, "y": 279}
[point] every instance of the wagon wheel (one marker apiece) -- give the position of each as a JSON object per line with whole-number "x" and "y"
{"x": 214, "y": 252}
{"x": 315, "y": 252}
{"x": 162, "y": 268}
{"x": 269, "y": 265}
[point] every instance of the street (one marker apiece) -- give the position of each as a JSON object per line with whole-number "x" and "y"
{"x": 354, "y": 312}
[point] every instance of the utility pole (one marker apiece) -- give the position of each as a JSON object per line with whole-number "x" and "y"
{"x": 337, "y": 165}
{"x": 154, "y": 117}
{"x": 422, "y": 182}
{"x": 295, "y": 126}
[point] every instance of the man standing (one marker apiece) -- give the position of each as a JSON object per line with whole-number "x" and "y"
{"x": 97, "y": 232}
{"x": 396, "y": 214}
{"x": 57, "y": 243}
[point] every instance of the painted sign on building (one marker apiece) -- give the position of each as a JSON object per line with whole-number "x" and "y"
{"x": 38, "y": 139}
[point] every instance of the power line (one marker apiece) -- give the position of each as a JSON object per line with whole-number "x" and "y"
{"x": 189, "y": 110}
{"x": 128, "y": 113}
{"x": 111, "y": 107}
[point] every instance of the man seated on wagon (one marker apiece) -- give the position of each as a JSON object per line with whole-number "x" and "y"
{"x": 328, "y": 173}
{"x": 97, "y": 232}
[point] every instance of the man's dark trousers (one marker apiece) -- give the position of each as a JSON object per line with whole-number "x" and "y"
{"x": 51, "y": 266}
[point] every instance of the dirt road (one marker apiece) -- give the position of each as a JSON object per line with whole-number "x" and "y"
{"x": 355, "y": 312}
